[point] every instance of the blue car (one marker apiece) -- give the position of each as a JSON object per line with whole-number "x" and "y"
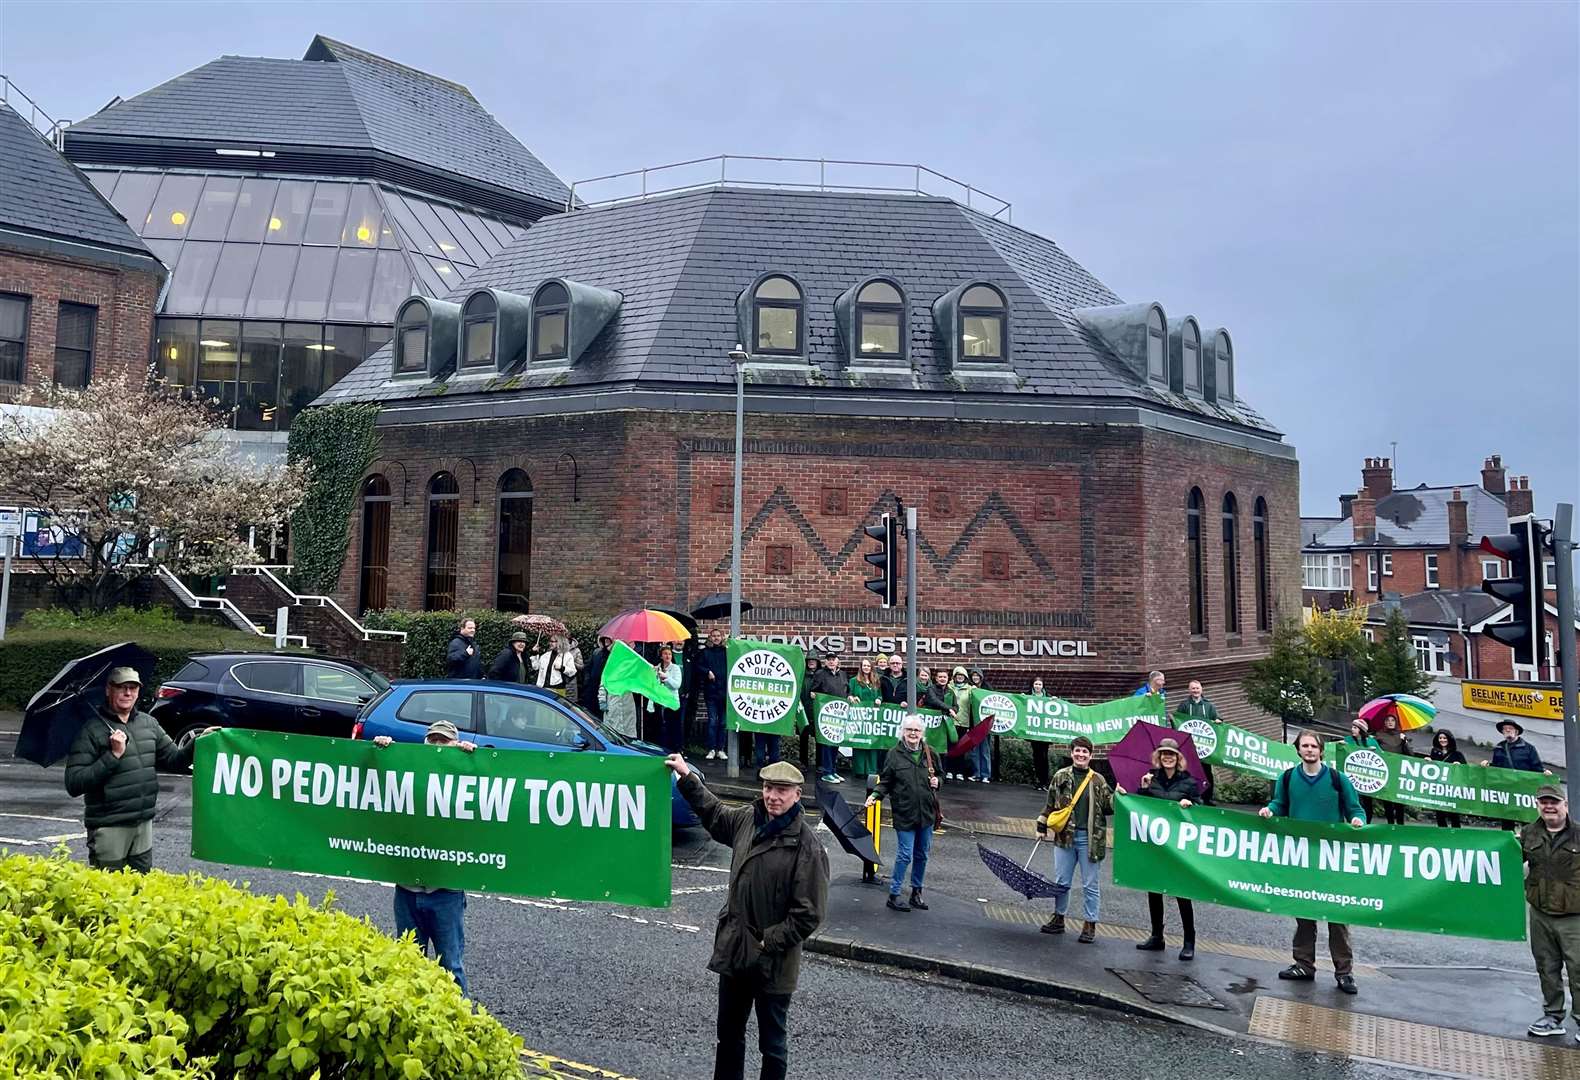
{"x": 505, "y": 716}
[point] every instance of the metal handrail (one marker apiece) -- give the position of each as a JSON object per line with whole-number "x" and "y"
{"x": 301, "y": 600}
{"x": 915, "y": 187}
{"x": 55, "y": 133}
{"x": 219, "y": 603}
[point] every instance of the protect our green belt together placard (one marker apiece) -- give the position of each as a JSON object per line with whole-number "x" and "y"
{"x": 841, "y": 722}
{"x": 762, "y": 689}
{"x": 1466, "y": 882}
{"x": 1051, "y": 719}
{"x": 571, "y": 825}
{"x": 1237, "y": 748}
{"x": 1508, "y": 794}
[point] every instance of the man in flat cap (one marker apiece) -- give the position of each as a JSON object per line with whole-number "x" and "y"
{"x": 778, "y": 893}
{"x": 113, "y": 765}
{"x": 1551, "y": 849}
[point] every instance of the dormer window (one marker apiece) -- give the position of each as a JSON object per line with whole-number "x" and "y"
{"x": 411, "y": 339}
{"x": 1190, "y": 348}
{"x": 426, "y": 335}
{"x": 776, "y": 317}
{"x": 479, "y": 321}
{"x": 880, "y": 321}
{"x": 551, "y": 313}
{"x": 1157, "y": 348}
{"x": 1222, "y": 368}
{"x": 982, "y": 324}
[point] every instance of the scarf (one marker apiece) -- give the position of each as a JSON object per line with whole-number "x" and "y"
{"x": 768, "y": 828}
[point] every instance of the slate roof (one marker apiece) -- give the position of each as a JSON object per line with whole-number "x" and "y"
{"x": 1313, "y": 527}
{"x": 681, "y": 260}
{"x": 339, "y": 97}
{"x": 1441, "y": 607}
{"x": 43, "y": 194}
{"x": 1418, "y": 517}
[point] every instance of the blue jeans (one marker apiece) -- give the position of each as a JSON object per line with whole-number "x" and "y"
{"x": 716, "y": 736}
{"x": 1064, "y": 863}
{"x": 982, "y": 758}
{"x": 827, "y": 760}
{"x": 766, "y": 749}
{"x": 436, "y": 919}
{"x": 910, "y": 850}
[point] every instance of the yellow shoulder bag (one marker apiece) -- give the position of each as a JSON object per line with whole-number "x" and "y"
{"x": 1060, "y": 818}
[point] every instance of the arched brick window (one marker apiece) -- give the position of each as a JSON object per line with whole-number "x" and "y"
{"x": 1231, "y": 565}
{"x": 444, "y": 524}
{"x": 1195, "y": 562}
{"x": 515, "y": 541}
{"x": 372, "y": 593}
{"x": 1264, "y": 580}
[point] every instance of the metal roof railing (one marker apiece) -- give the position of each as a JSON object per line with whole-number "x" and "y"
{"x": 52, "y": 130}
{"x": 788, "y": 173}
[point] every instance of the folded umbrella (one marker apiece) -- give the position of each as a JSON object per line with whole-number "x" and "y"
{"x": 717, "y": 606}
{"x": 846, "y": 824}
{"x": 57, "y": 712}
{"x": 971, "y": 739}
{"x": 1031, "y": 885}
{"x": 1131, "y": 757}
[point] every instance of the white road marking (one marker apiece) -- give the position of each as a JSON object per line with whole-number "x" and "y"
{"x": 697, "y": 889}
{"x": 17, "y": 840}
{"x": 709, "y": 869}
{"x": 44, "y": 817}
{"x": 654, "y": 922}
{"x": 63, "y": 837}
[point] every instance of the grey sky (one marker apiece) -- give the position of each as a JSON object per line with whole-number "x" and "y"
{"x": 1381, "y": 202}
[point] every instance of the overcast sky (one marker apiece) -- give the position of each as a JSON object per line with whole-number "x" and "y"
{"x": 1381, "y": 202}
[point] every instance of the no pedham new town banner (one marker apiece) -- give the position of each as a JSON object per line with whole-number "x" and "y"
{"x": 1051, "y": 719}
{"x": 841, "y": 722}
{"x": 762, "y": 691}
{"x": 1508, "y": 794}
{"x": 574, "y": 826}
{"x": 1466, "y": 882}
{"x": 1225, "y": 744}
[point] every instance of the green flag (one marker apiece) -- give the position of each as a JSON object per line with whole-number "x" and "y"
{"x": 627, "y": 673}
{"x": 762, "y": 689}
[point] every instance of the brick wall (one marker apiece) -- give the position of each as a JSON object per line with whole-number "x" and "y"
{"x": 125, "y": 300}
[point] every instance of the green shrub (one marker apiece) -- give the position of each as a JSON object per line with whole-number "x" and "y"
{"x": 1234, "y": 786}
{"x": 45, "y": 641}
{"x": 121, "y": 975}
{"x": 428, "y": 635}
{"x": 1014, "y": 761}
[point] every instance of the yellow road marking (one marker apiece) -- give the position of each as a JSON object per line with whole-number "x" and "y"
{"x": 559, "y": 1065}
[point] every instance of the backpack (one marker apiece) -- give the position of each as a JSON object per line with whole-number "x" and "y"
{"x": 1333, "y": 777}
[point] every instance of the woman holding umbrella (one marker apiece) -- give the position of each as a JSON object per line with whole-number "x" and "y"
{"x": 909, "y": 780}
{"x": 1169, "y": 780}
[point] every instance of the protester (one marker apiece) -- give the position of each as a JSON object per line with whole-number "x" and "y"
{"x": 435, "y": 917}
{"x": 1153, "y": 685}
{"x": 940, "y": 698}
{"x": 863, "y": 690}
{"x": 960, "y": 688}
{"x": 1361, "y": 735}
{"x": 511, "y": 664}
{"x": 982, "y": 756}
{"x": 462, "y": 660}
{"x": 1392, "y": 740}
{"x": 778, "y": 892}
{"x": 909, "y": 781}
{"x": 1197, "y": 707}
{"x": 113, "y": 767}
{"x": 573, "y": 667}
{"x": 592, "y": 696}
{"x": 555, "y": 668}
{"x": 714, "y": 664}
{"x": 663, "y": 723}
{"x": 688, "y": 655}
{"x": 1169, "y": 780}
{"x": 1552, "y": 889}
{"x": 893, "y": 687}
{"x": 1445, "y": 748}
{"x": 924, "y": 679}
{"x": 1514, "y": 752}
{"x": 1083, "y": 840}
{"x": 1311, "y": 791}
{"x": 831, "y": 682}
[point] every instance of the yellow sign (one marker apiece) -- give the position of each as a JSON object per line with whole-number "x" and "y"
{"x": 1516, "y": 700}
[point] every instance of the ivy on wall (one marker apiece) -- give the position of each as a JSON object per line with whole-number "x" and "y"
{"x": 339, "y": 443}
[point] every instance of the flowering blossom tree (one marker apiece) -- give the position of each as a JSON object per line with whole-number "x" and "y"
{"x": 132, "y": 479}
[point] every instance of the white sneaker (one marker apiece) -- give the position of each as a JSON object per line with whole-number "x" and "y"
{"x": 1548, "y": 1025}
{"x": 985, "y": 780}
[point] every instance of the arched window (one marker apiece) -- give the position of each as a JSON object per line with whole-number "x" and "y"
{"x": 411, "y": 339}
{"x": 880, "y": 321}
{"x": 982, "y": 323}
{"x": 776, "y": 317}
{"x": 1190, "y": 349}
{"x": 551, "y": 322}
{"x": 1223, "y": 368}
{"x": 1157, "y": 348}
{"x": 1264, "y": 582}
{"x": 444, "y": 523}
{"x": 373, "y": 593}
{"x": 1196, "y": 567}
{"x": 1231, "y": 565}
{"x": 478, "y": 321}
{"x": 515, "y": 541}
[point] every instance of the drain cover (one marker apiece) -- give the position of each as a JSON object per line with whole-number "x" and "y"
{"x": 1162, "y": 988}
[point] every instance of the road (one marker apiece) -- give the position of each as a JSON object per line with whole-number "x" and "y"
{"x": 627, "y": 989}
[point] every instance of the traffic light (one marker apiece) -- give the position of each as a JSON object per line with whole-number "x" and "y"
{"x": 1522, "y": 548}
{"x": 886, "y": 560}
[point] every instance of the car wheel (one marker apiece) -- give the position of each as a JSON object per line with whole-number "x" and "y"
{"x": 185, "y": 736}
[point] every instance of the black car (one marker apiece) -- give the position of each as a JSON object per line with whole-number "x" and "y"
{"x": 296, "y": 693}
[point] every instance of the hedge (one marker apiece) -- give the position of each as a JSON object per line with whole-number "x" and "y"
{"x": 121, "y": 975}
{"x": 428, "y": 635}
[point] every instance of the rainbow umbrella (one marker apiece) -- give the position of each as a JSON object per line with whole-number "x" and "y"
{"x": 1411, "y": 712}
{"x": 644, "y": 624}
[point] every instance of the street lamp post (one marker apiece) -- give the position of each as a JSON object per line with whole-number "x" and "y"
{"x": 738, "y": 356}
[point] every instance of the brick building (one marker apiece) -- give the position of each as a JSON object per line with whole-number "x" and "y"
{"x": 1095, "y": 498}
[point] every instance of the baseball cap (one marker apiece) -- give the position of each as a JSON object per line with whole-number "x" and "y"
{"x": 119, "y": 675}
{"x": 1550, "y": 791}
{"x": 442, "y": 729}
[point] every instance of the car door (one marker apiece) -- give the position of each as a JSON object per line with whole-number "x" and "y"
{"x": 423, "y": 707}
{"x": 518, "y": 720}
{"x": 331, "y": 698}
{"x": 263, "y": 694}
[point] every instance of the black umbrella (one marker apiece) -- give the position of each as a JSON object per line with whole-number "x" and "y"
{"x": 58, "y": 711}
{"x": 717, "y": 606}
{"x": 846, "y": 824}
{"x": 1020, "y": 878}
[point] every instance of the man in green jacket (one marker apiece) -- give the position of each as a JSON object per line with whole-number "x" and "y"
{"x": 113, "y": 765}
{"x": 1197, "y": 707}
{"x": 1552, "y": 888}
{"x": 1311, "y": 791}
{"x": 778, "y": 894}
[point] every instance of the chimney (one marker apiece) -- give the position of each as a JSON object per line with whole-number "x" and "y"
{"x": 1492, "y": 474}
{"x": 1377, "y": 477}
{"x": 1364, "y": 510}
{"x": 1344, "y": 506}
{"x": 1458, "y": 521}
{"x": 1519, "y": 499}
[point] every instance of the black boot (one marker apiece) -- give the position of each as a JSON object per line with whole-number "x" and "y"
{"x": 1188, "y": 950}
{"x": 1152, "y": 944}
{"x": 916, "y": 900}
{"x": 896, "y": 904}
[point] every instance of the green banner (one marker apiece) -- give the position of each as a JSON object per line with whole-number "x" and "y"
{"x": 842, "y": 722}
{"x": 1465, "y": 882}
{"x": 1051, "y": 719}
{"x": 568, "y": 825}
{"x": 1508, "y": 794}
{"x": 762, "y": 690}
{"x": 1225, "y": 744}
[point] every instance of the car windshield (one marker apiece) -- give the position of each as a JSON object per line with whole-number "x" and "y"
{"x": 605, "y": 732}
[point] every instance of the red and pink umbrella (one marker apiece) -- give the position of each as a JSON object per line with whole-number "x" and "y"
{"x": 1131, "y": 757}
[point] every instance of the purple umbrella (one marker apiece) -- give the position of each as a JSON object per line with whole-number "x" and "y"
{"x": 1020, "y": 878}
{"x": 1131, "y": 757}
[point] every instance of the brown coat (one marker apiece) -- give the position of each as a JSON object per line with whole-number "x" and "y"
{"x": 778, "y": 892}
